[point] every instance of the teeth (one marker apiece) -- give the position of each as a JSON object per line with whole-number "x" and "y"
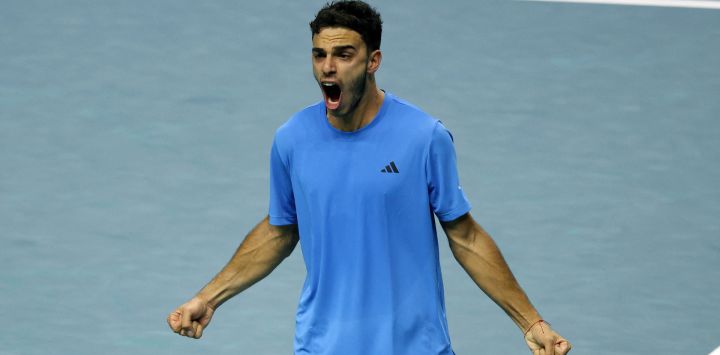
{"x": 328, "y": 84}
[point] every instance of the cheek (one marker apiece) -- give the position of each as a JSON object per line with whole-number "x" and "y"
{"x": 360, "y": 77}
{"x": 356, "y": 73}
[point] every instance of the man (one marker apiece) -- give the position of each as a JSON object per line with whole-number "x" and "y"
{"x": 357, "y": 179}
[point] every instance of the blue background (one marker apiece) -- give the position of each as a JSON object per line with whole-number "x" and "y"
{"x": 134, "y": 144}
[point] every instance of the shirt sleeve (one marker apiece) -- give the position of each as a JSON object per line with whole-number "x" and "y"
{"x": 282, "y": 200}
{"x": 447, "y": 198}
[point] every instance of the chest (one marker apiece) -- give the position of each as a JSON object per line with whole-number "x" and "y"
{"x": 370, "y": 168}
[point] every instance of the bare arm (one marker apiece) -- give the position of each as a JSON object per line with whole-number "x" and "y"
{"x": 478, "y": 254}
{"x": 262, "y": 250}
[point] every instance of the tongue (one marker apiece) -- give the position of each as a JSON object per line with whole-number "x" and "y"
{"x": 332, "y": 103}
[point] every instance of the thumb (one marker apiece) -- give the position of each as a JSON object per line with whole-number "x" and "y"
{"x": 562, "y": 346}
{"x": 186, "y": 322}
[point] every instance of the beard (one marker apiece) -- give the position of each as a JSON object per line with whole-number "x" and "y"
{"x": 357, "y": 90}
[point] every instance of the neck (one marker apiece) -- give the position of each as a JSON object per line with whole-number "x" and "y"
{"x": 366, "y": 110}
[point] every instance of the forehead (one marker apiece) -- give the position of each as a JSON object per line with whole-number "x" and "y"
{"x": 337, "y": 36}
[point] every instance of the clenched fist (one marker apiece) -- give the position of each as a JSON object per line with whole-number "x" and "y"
{"x": 191, "y": 318}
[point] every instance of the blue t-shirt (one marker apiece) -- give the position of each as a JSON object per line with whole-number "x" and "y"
{"x": 364, "y": 202}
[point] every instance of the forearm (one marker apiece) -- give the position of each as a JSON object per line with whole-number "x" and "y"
{"x": 478, "y": 254}
{"x": 262, "y": 250}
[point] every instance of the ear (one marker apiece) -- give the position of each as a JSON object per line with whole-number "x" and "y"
{"x": 374, "y": 61}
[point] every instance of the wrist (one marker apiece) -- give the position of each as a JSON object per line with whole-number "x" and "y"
{"x": 209, "y": 301}
{"x": 539, "y": 322}
{"x": 525, "y": 320}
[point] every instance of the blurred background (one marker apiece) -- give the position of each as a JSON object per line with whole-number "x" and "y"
{"x": 134, "y": 144}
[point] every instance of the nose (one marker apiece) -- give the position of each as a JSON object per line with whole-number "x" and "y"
{"x": 328, "y": 66}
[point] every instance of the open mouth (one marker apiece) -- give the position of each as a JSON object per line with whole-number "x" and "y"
{"x": 332, "y": 93}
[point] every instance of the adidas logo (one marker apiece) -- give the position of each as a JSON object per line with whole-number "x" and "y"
{"x": 390, "y": 168}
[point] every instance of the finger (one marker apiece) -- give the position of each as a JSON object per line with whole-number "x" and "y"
{"x": 190, "y": 332}
{"x": 174, "y": 321}
{"x": 186, "y": 320}
{"x": 199, "y": 331}
{"x": 193, "y": 329}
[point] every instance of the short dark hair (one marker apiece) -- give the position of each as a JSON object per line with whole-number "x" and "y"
{"x": 352, "y": 14}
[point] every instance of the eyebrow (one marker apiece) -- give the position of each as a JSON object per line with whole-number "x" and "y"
{"x": 334, "y": 49}
{"x": 343, "y": 48}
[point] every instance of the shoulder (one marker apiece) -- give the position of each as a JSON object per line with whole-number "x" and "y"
{"x": 413, "y": 119}
{"x": 406, "y": 110}
{"x": 298, "y": 125}
{"x": 299, "y": 120}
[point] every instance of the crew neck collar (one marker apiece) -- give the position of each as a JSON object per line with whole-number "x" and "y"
{"x": 378, "y": 117}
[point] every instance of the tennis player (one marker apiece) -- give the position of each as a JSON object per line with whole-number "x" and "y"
{"x": 358, "y": 179}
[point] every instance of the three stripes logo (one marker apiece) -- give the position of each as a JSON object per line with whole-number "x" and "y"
{"x": 390, "y": 169}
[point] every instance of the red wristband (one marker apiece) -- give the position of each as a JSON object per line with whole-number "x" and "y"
{"x": 532, "y": 325}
